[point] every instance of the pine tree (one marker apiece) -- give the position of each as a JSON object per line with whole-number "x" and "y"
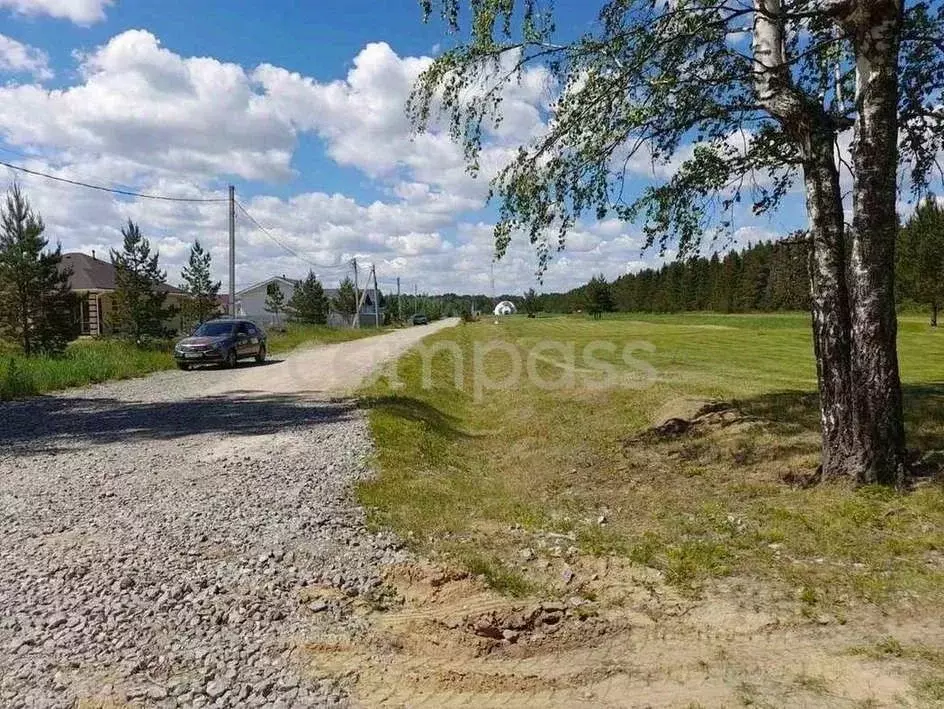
{"x": 599, "y": 299}
{"x": 275, "y": 300}
{"x": 308, "y": 303}
{"x": 921, "y": 257}
{"x": 346, "y": 300}
{"x": 140, "y": 288}
{"x": 37, "y": 309}
{"x": 204, "y": 303}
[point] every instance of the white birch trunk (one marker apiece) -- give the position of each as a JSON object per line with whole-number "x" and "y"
{"x": 880, "y": 436}
{"x": 815, "y": 134}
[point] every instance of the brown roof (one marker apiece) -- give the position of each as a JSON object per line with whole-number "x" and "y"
{"x": 94, "y": 274}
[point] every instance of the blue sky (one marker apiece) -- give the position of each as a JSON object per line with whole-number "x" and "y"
{"x": 298, "y": 104}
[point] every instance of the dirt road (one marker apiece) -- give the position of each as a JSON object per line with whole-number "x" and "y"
{"x": 334, "y": 369}
{"x": 173, "y": 540}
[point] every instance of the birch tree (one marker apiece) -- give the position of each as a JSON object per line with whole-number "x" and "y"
{"x": 767, "y": 91}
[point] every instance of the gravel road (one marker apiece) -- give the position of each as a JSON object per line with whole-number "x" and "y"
{"x": 164, "y": 541}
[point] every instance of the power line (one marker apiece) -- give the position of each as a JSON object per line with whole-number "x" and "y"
{"x": 112, "y": 190}
{"x": 285, "y": 247}
{"x": 166, "y": 198}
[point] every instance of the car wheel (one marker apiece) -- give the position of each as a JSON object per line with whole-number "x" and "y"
{"x": 231, "y": 359}
{"x": 261, "y": 357}
{"x": 183, "y": 365}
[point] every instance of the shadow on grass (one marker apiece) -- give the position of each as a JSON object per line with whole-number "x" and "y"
{"x": 924, "y": 415}
{"x": 50, "y": 423}
{"x": 924, "y": 412}
{"x": 406, "y": 407}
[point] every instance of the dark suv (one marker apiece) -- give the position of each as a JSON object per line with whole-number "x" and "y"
{"x": 222, "y": 342}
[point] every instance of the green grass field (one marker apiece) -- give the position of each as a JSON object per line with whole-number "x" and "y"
{"x": 458, "y": 471}
{"x": 92, "y": 361}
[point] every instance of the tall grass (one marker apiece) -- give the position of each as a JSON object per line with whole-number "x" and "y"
{"x": 83, "y": 362}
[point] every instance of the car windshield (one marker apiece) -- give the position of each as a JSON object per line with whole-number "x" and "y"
{"x": 214, "y": 329}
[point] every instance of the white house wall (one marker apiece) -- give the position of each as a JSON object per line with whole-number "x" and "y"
{"x": 250, "y": 304}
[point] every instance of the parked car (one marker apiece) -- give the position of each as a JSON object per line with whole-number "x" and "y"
{"x": 420, "y": 319}
{"x": 221, "y": 342}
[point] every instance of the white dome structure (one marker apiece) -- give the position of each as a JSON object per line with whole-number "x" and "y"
{"x": 506, "y": 307}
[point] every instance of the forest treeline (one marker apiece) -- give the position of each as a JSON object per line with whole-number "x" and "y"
{"x": 764, "y": 276}
{"x": 767, "y": 276}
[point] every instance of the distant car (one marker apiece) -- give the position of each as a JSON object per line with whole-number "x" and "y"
{"x": 420, "y": 319}
{"x": 221, "y": 342}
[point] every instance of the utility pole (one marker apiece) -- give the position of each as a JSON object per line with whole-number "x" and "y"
{"x": 399, "y": 302}
{"x": 232, "y": 251}
{"x": 362, "y": 297}
{"x": 357, "y": 298}
{"x": 415, "y": 299}
{"x": 373, "y": 272}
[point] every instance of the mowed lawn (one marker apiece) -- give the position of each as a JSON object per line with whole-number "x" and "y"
{"x": 92, "y": 361}
{"x": 462, "y": 464}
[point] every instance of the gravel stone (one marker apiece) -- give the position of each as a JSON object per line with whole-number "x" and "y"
{"x": 216, "y": 688}
{"x": 157, "y": 693}
{"x": 165, "y": 539}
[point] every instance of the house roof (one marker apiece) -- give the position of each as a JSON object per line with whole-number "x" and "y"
{"x": 89, "y": 273}
{"x": 330, "y": 293}
{"x": 261, "y": 284}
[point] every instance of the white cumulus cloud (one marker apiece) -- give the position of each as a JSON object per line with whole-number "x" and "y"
{"x": 19, "y": 58}
{"x": 148, "y": 105}
{"x": 81, "y": 12}
{"x": 143, "y": 116}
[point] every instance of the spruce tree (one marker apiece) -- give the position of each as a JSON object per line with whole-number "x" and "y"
{"x": 140, "y": 289}
{"x": 204, "y": 303}
{"x": 308, "y": 303}
{"x": 37, "y": 309}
